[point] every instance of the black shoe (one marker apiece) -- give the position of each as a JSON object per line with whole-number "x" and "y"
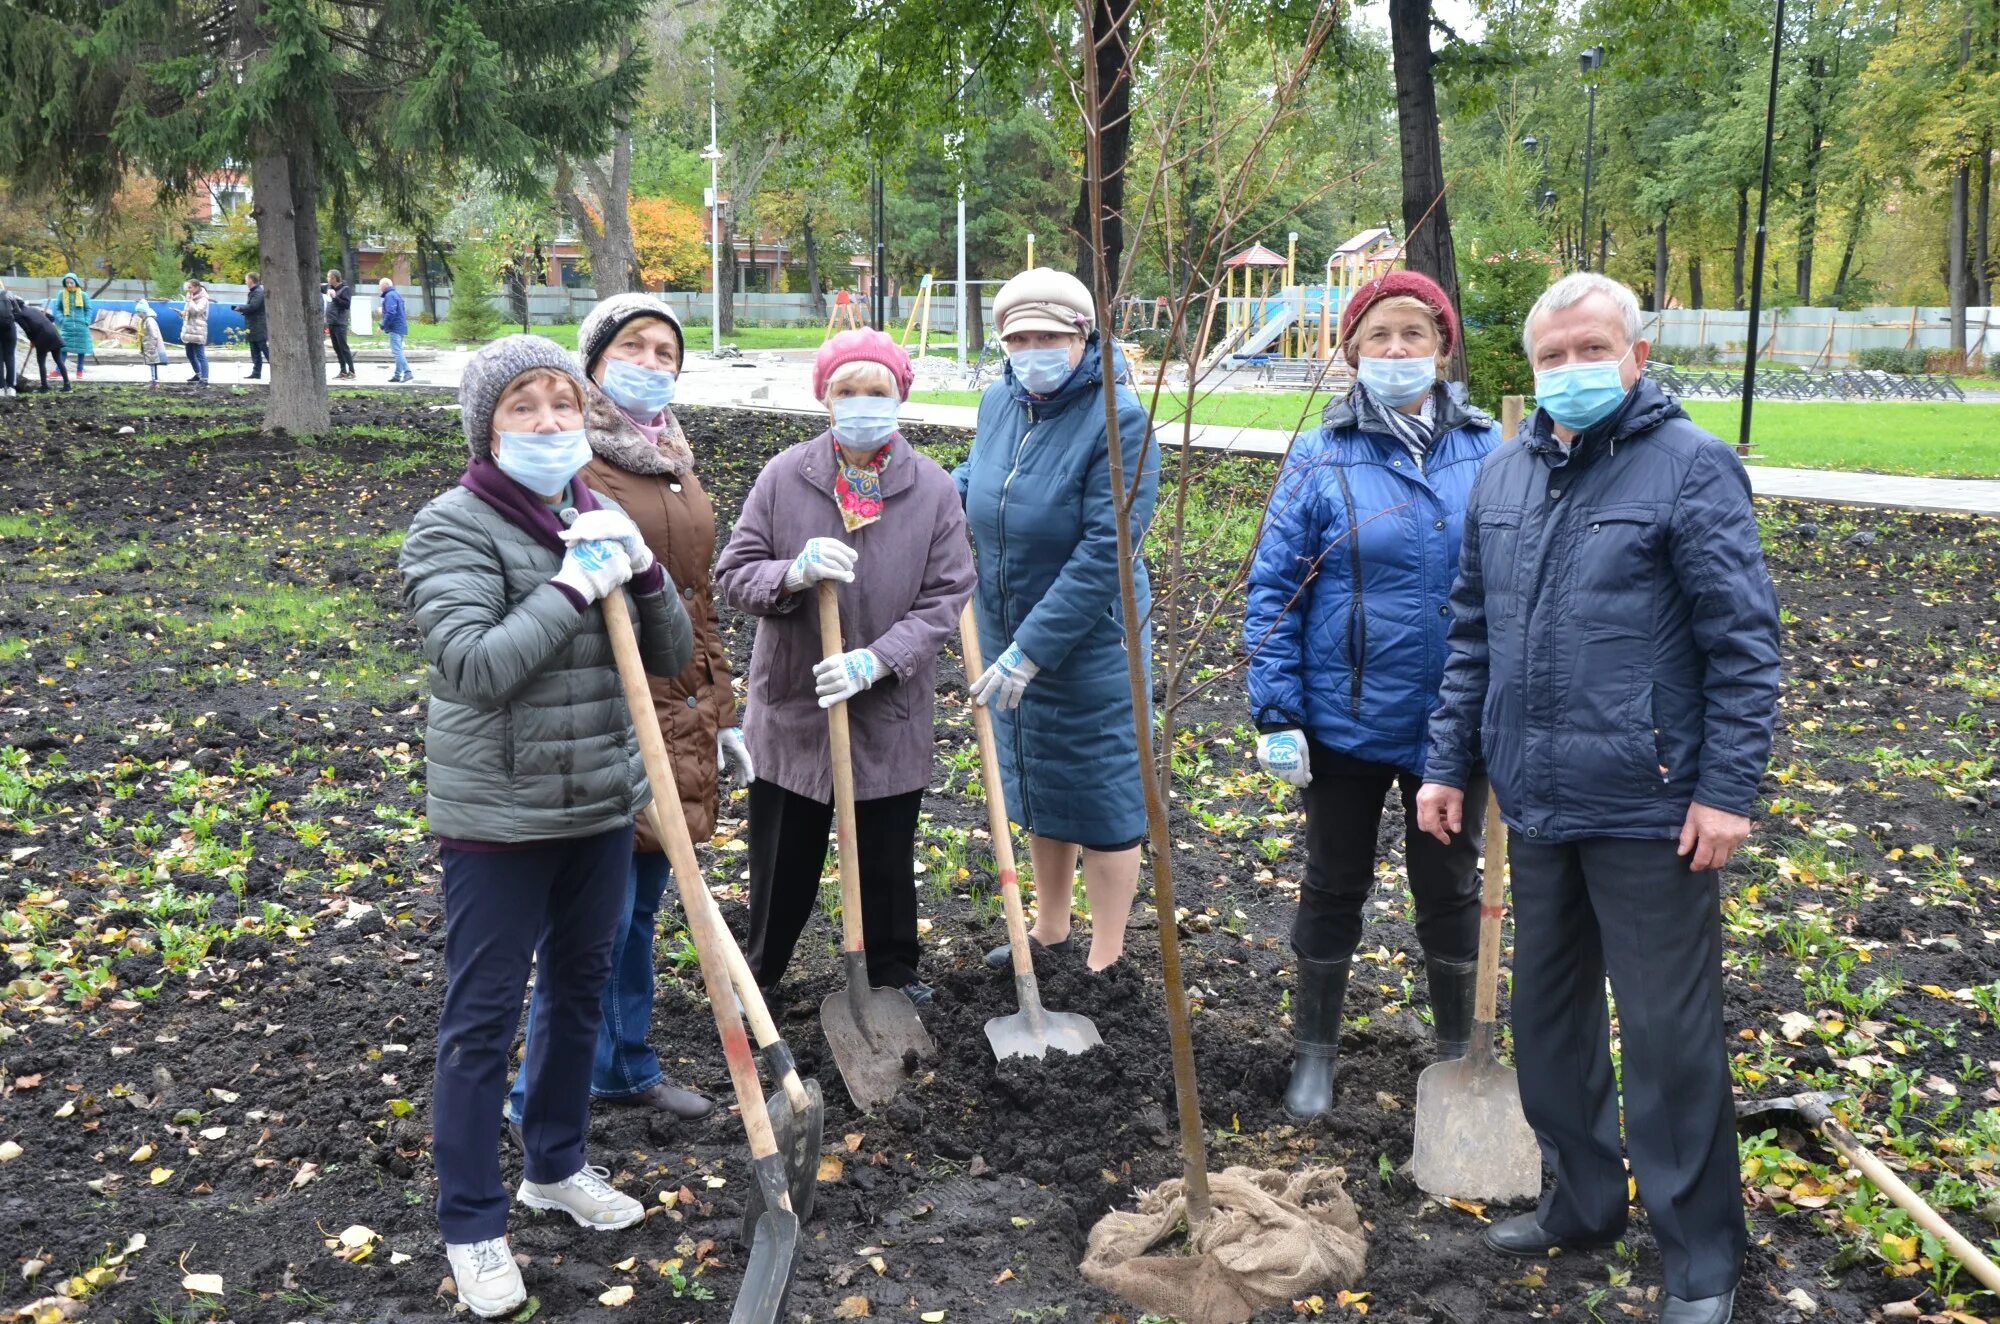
{"x": 1521, "y": 1235}
{"x": 919, "y": 992}
{"x": 1452, "y": 986}
{"x": 1705, "y": 1310}
{"x": 1316, "y": 1005}
{"x": 669, "y": 1098}
{"x": 1002, "y": 957}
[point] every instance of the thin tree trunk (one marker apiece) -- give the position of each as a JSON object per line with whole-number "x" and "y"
{"x": 1694, "y": 281}
{"x": 1982, "y": 254}
{"x": 1847, "y": 248}
{"x": 1426, "y": 218}
{"x": 811, "y": 242}
{"x": 1955, "y": 254}
{"x": 1809, "y": 185}
{"x": 726, "y": 305}
{"x": 975, "y": 320}
{"x": 1660, "y": 259}
{"x": 428, "y": 285}
{"x": 1111, "y": 38}
{"x": 1742, "y": 231}
{"x": 287, "y": 216}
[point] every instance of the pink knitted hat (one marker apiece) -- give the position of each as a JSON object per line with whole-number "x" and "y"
{"x": 865, "y": 345}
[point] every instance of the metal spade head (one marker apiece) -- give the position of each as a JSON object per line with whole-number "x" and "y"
{"x": 1472, "y": 1141}
{"x": 767, "y": 1278}
{"x": 1034, "y": 1030}
{"x": 799, "y": 1140}
{"x": 871, "y": 1032}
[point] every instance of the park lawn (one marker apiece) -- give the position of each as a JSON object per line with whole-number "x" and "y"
{"x": 439, "y": 335}
{"x": 1936, "y": 439}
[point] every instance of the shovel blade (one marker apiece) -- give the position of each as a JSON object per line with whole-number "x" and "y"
{"x": 1472, "y": 1141}
{"x": 1026, "y": 1035}
{"x": 799, "y": 1139}
{"x": 874, "y": 1033}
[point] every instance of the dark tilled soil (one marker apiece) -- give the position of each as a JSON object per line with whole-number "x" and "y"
{"x": 972, "y": 1192}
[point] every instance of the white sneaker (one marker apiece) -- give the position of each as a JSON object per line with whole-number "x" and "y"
{"x": 587, "y": 1197}
{"x": 488, "y": 1279}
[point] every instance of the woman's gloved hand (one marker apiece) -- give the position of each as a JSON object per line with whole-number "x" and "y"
{"x": 594, "y": 569}
{"x": 1283, "y": 755}
{"x": 611, "y": 526}
{"x": 840, "y": 678}
{"x": 822, "y": 558}
{"x": 1000, "y": 686}
{"x": 732, "y": 755}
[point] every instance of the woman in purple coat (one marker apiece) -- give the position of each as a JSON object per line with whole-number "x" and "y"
{"x": 857, "y": 506}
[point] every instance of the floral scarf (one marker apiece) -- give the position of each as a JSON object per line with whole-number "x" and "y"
{"x": 858, "y": 487}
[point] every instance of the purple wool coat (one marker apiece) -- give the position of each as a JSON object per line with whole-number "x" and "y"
{"x": 913, "y": 574}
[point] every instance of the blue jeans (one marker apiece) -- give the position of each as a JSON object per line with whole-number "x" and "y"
{"x": 198, "y": 360}
{"x": 625, "y": 1064}
{"x": 396, "y": 348}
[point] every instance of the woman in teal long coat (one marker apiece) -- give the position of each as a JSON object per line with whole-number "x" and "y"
{"x": 72, "y": 310}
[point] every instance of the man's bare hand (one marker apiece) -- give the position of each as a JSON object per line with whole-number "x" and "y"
{"x": 1440, "y": 810}
{"x": 1710, "y": 835}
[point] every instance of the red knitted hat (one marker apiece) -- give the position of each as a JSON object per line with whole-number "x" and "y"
{"x": 1417, "y": 286}
{"x": 865, "y": 345}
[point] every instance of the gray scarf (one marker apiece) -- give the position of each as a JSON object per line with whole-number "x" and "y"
{"x": 1414, "y": 431}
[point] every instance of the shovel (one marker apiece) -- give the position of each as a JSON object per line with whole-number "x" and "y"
{"x": 1816, "y": 1111}
{"x": 797, "y": 1108}
{"x": 1473, "y": 1142}
{"x": 873, "y": 1032}
{"x": 774, "y": 1244}
{"x": 1033, "y": 1030}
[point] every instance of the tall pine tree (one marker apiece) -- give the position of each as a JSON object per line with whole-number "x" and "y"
{"x": 312, "y": 95}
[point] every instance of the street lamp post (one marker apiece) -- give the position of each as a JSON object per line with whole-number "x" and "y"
{"x": 1588, "y": 61}
{"x": 1757, "y": 261}
{"x": 714, "y": 155}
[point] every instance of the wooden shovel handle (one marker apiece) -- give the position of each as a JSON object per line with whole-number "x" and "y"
{"x": 704, "y": 922}
{"x": 1492, "y": 893}
{"x": 841, "y": 745}
{"x": 1886, "y": 1181}
{"x": 996, "y": 799}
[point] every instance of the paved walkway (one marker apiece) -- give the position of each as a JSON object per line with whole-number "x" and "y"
{"x": 778, "y": 383}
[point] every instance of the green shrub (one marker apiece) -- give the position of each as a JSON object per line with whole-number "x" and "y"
{"x": 1685, "y": 356}
{"x": 473, "y": 319}
{"x": 1944, "y": 360}
{"x": 1884, "y": 359}
{"x": 1496, "y": 300}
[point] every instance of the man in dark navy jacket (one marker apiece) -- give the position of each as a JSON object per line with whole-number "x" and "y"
{"x": 1614, "y": 661}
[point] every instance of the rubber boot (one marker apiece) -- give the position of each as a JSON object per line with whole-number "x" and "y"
{"x": 1452, "y": 986}
{"x": 1316, "y": 1004}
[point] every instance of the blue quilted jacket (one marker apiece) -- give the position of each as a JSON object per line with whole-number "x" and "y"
{"x": 1037, "y": 490}
{"x": 1614, "y": 636}
{"x": 1351, "y": 581}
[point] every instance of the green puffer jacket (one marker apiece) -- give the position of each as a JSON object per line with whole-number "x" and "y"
{"x": 528, "y": 737}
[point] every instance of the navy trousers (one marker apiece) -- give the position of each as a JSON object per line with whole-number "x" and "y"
{"x": 1631, "y": 909}
{"x": 561, "y": 904}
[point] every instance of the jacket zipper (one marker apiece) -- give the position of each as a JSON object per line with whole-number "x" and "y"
{"x": 1357, "y": 619}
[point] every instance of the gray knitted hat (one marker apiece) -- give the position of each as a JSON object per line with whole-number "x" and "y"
{"x": 602, "y": 325}
{"x": 492, "y": 369}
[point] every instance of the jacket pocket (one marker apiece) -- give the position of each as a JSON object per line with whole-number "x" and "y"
{"x": 1616, "y": 568}
{"x": 1499, "y": 555}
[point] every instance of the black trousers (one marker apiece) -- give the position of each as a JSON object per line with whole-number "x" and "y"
{"x": 788, "y": 844}
{"x": 338, "y": 334}
{"x": 42, "y": 366}
{"x": 1631, "y": 909}
{"x": 257, "y": 356}
{"x": 8, "y": 338}
{"x": 1343, "y": 821}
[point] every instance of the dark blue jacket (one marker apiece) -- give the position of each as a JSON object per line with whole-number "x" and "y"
{"x": 1614, "y": 635}
{"x": 1351, "y": 580}
{"x": 1037, "y": 490}
{"x": 395, "y": 320}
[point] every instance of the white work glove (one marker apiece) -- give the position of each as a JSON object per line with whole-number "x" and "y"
{"x": 1000, "y": 686}
{"x": 840, "y": 678}
{"x": 823, "y": 558}
{"x": 611, "y": 526}
{"x": 1283, "y": 755}
{"x": 594, "y": 569}
{"x": 732, "y": 752}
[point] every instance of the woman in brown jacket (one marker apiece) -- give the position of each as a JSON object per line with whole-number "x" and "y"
{"x": 631, "y": 347}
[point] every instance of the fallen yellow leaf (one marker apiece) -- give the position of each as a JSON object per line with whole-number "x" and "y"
{"x": 9, "y": 1151}
{"x": 932, "y": 1317}
{"x": 159, "y": 1175}
{"x": 616, "y": 1296}
{"x": 209, "y": 1283}
{"x": 830, "y": 1167}
{"x": 627, "y": 1264}
{"x": 851, "y": 1307}
{"x": 141, "y": 1154}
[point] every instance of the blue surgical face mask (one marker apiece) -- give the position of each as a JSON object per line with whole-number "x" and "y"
{"x": 864, "y": 422}
{"x": 1577, "y": 395}
{"x": 1041, "y": 371}
{"x": 1396, "y": 382}
{"x": 642, "y": 392}
{"x": 542, "y": 462}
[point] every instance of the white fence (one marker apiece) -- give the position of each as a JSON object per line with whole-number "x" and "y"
{"x": 1824, "y": 337}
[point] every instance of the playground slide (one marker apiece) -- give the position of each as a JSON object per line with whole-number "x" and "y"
{"x": 1267, "y": 332}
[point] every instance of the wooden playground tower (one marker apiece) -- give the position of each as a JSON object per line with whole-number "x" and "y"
{"x": 1296, "y": 321}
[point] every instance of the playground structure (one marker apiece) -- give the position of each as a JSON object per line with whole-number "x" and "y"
{"x": 1293, "y": 331}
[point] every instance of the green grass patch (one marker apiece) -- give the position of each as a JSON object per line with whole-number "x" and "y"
{"x": 1282, "y": 411}
{"x": 1946, "y": 440}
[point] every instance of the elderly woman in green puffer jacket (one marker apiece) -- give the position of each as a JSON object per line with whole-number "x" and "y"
{"x": 534, "y": 776}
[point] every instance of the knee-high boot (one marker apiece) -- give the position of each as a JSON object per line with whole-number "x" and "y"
{"x": 1452, "y": 986}
{"x": 1316, "y": 1004}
